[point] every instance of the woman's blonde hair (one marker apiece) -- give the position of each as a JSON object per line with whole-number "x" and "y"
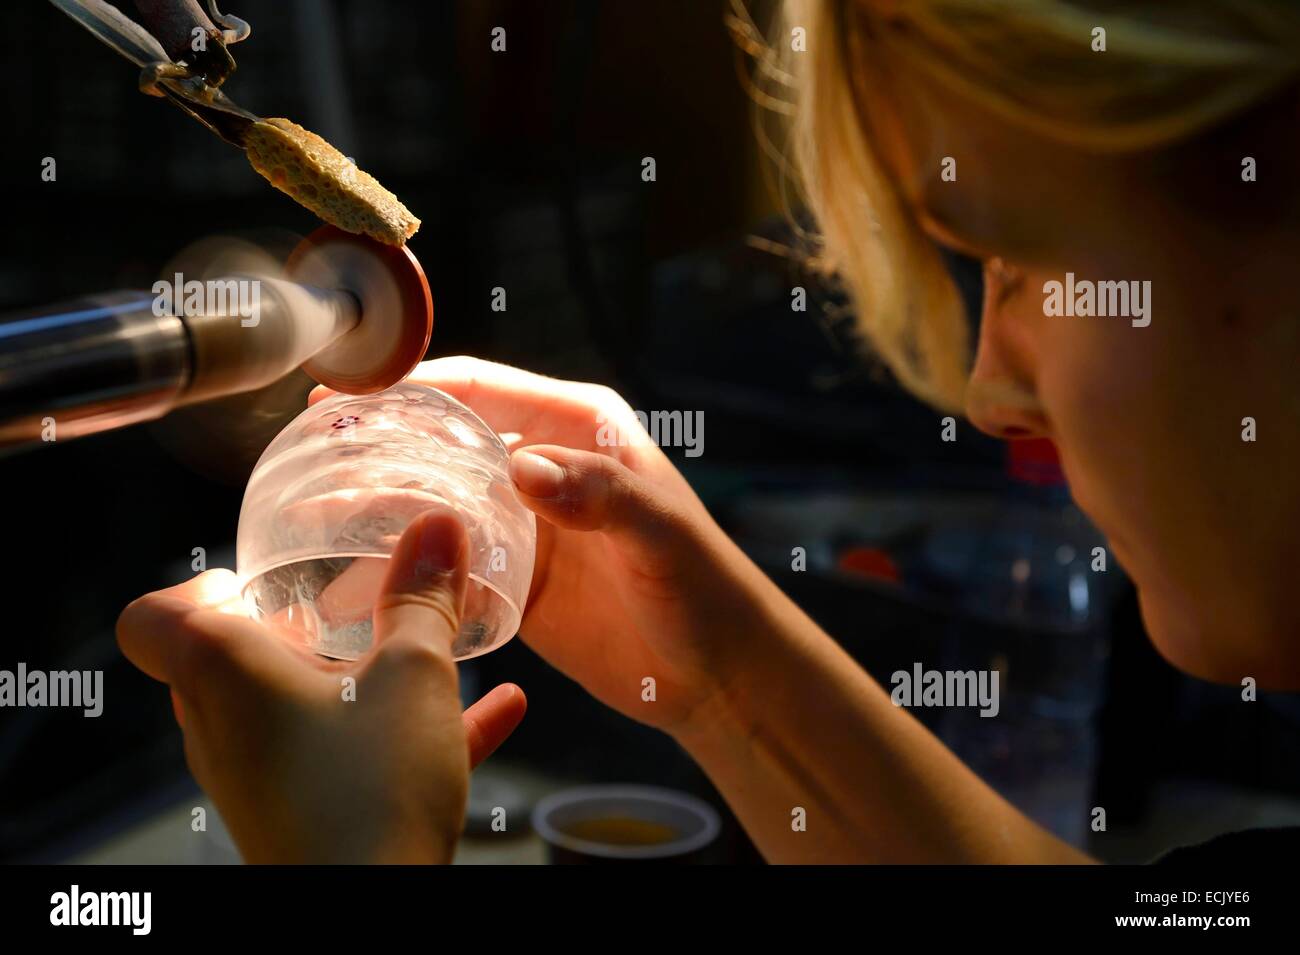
{"x": 1169, "y": 70}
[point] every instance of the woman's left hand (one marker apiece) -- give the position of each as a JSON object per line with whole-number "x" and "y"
{"x": 316, "y": 760}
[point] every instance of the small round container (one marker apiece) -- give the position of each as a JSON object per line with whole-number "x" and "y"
{"x": 331, "y": 495}
{"x": 625, "y": 823}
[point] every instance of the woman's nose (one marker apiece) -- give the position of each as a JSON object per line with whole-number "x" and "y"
{"x": 1002, "y": 399}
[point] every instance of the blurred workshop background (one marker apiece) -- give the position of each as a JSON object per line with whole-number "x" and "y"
{"x": 525, "y": 167}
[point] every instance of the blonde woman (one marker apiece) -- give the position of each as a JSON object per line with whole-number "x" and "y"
{"x": 1057, "y": 141}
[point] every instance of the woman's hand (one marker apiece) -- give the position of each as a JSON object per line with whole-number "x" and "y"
{"x": 633, "y": 580}
{"x": 316, "y": 760}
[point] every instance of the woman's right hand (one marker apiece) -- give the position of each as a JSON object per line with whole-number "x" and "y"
{"x": 634, "y": 580}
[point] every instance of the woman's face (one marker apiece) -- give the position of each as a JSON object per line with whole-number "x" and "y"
{"x": 1148, "y": 418}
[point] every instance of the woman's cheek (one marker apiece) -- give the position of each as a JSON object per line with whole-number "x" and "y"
{"x": 1096, "y": 398}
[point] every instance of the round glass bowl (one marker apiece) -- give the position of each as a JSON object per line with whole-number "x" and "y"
{"x": 331, "y": 495}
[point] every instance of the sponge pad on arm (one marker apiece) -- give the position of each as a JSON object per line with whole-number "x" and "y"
{"x": 316, "y": 175}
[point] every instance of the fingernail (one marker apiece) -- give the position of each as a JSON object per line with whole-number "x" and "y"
{"x": 535, "y": 475}
{"x": 439, "y": 543}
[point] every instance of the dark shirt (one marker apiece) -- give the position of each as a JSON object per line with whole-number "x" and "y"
{"x": 1248, "y": 846}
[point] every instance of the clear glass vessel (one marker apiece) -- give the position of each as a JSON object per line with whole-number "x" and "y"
{"x": 331, "y": 495}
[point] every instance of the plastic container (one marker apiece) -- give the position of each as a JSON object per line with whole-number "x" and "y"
{"x": 329, "y": 499}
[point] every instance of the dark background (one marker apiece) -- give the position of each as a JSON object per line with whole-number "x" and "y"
{"x": 525, "y": 168}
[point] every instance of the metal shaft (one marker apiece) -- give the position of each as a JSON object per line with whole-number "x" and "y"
{"x": 110, "y": 360}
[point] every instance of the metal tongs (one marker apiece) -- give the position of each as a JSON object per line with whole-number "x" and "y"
{"x": 191, "y": 74}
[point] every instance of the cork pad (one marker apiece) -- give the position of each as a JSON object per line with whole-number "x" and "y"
{"x": 316, "y": 175}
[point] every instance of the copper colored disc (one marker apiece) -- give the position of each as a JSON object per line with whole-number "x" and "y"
{"x": 396, "y": 309}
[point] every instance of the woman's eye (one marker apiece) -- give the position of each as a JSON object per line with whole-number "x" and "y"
{"x": 1006, "y": 279}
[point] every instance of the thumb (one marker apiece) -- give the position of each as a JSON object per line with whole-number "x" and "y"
{"x": 586, "y": 491}
{"x": 417, "y": 612}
